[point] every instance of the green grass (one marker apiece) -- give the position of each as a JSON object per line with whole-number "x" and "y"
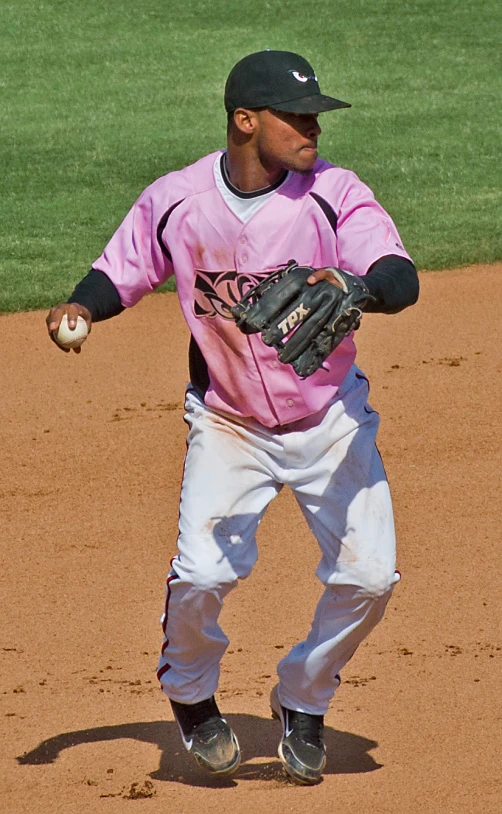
{"x": 99, "y": 99}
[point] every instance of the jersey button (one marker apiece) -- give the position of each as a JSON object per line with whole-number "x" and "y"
{"x": 243, "y": 239}
{"x": 275, "y": 365}
{"x": 244, "y": 258}
{"x": 290, "y": 402}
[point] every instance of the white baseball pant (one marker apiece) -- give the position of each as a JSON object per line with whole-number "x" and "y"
{"x": 233, "y": 469}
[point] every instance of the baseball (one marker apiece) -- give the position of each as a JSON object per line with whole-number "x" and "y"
{"x": 67, "y": 338}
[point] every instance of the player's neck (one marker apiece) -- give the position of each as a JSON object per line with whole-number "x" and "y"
{"x": 248, "y": 174}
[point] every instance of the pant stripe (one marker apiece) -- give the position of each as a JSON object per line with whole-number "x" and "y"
{"x": 163, "y": 670}
{"x": 173, "y": 576}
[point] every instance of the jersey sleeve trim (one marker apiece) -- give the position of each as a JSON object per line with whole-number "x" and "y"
{"x": 162, "y": 225}
{"x": 327, "y": 209}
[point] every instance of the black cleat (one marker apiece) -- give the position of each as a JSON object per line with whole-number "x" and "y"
{"x": 207, "y": 736}
{"x": 301, "y": 749}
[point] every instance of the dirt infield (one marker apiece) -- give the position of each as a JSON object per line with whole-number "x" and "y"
{"x": 92, "y": 454}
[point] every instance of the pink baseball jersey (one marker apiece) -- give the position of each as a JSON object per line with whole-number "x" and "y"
{"x": 182, "y": 225}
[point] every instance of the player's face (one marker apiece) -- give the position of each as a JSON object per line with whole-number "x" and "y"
{"x": 287, "y": 140}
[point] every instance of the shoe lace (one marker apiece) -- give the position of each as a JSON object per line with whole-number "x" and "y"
{"x": 310, "y": 728}
{"x": 202, "y": 716}
{"x": 209, "y": 729}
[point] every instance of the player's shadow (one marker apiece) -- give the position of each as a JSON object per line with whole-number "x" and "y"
{"x": 347, "y": 753}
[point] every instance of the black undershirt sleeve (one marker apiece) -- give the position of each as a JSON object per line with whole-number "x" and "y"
{"x": 97, "y": 293}
{"x": 393, "y": 280}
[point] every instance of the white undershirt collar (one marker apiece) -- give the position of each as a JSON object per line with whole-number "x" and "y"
{"x": 243, "y": 204}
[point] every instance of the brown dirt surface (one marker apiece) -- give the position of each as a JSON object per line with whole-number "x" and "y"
{"x": 92, "y": 455}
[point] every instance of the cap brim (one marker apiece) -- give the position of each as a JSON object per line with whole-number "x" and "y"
{"x": 318, "y": 103}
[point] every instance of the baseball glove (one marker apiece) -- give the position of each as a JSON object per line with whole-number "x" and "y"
{"x": 304, "y": 322}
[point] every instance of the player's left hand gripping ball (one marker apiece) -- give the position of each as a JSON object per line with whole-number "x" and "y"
{"x": 304, "y": 322}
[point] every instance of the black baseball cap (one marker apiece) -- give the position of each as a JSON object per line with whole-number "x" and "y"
{"x": 280, "y": 80}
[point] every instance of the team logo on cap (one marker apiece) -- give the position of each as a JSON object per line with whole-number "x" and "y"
{"x": 300, "y": 77}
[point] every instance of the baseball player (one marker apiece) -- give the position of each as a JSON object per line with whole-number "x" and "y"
{"x": 221, "y": 225}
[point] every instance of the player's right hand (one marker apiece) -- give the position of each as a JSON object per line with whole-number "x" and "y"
{"x": 72, "y": 310}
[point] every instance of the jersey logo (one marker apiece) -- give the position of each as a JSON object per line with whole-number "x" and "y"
{"x": 216, "y": 291}
{"x": 295, "y": 316}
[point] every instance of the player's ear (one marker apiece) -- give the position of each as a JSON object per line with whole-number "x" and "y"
{"x": 245, "y": 120}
